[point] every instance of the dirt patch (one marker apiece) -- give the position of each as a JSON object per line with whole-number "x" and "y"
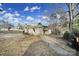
{"x": 13, "y": 44}
{"x": 39, "y": 48}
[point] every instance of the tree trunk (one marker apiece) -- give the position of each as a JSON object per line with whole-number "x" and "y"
{"x": 70, "y": 17}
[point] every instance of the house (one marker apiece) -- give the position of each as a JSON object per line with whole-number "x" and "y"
{"x": 37, "y": 30}
{"x": 34, "y": 30}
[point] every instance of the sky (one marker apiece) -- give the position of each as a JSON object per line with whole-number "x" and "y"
{"x": 28, "y": 13}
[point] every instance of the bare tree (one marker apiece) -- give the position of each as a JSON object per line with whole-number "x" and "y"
{"x": 70, "y": 17}
{"x": 20, "y": 26}
{"x": 4, "y": 24}
{"x": 73, "y": 13}
{"x": 57, "y": 19}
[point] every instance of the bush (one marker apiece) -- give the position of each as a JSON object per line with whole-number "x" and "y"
{"x": 67, "y": 35}
{"x": 56, "y": 32}
{"x": 76, "y": 32}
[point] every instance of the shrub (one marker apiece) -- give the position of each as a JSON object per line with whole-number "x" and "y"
{"x": 76, "y": 32}
{"x": 67, "y": 35}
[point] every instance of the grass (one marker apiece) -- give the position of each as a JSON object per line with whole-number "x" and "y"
{"x": 17, "y": 45}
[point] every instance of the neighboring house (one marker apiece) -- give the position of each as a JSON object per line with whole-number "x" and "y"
{"x": 37, "y": 30}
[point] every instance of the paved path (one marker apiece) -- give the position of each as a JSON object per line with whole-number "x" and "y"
{"x": 58, "y": 48}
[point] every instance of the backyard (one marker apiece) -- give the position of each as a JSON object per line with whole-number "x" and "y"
{"x": 36, "y": 29}
{"x": 16, "y": 43}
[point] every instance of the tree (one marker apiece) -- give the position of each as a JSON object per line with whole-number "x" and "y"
{"x": 0, "y": 24}
{"x": 20, "y": 26}
{"x": 53, "y": 18}
{"x": 72, "y": 14}
{"x": 70, "y": 17}
{"x": 4, "y": 24}
{"x": 39, "y": 23}
{"x": 8, "y": 25}
{"x": 57, "y": 19}
{"x": 58, "y": 16}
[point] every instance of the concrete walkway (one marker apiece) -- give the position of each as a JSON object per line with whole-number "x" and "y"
{"x": 59, "y": 46}
{"x": 50, "y": 46}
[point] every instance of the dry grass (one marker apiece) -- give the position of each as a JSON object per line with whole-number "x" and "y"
{"x": 16, "y": 44}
